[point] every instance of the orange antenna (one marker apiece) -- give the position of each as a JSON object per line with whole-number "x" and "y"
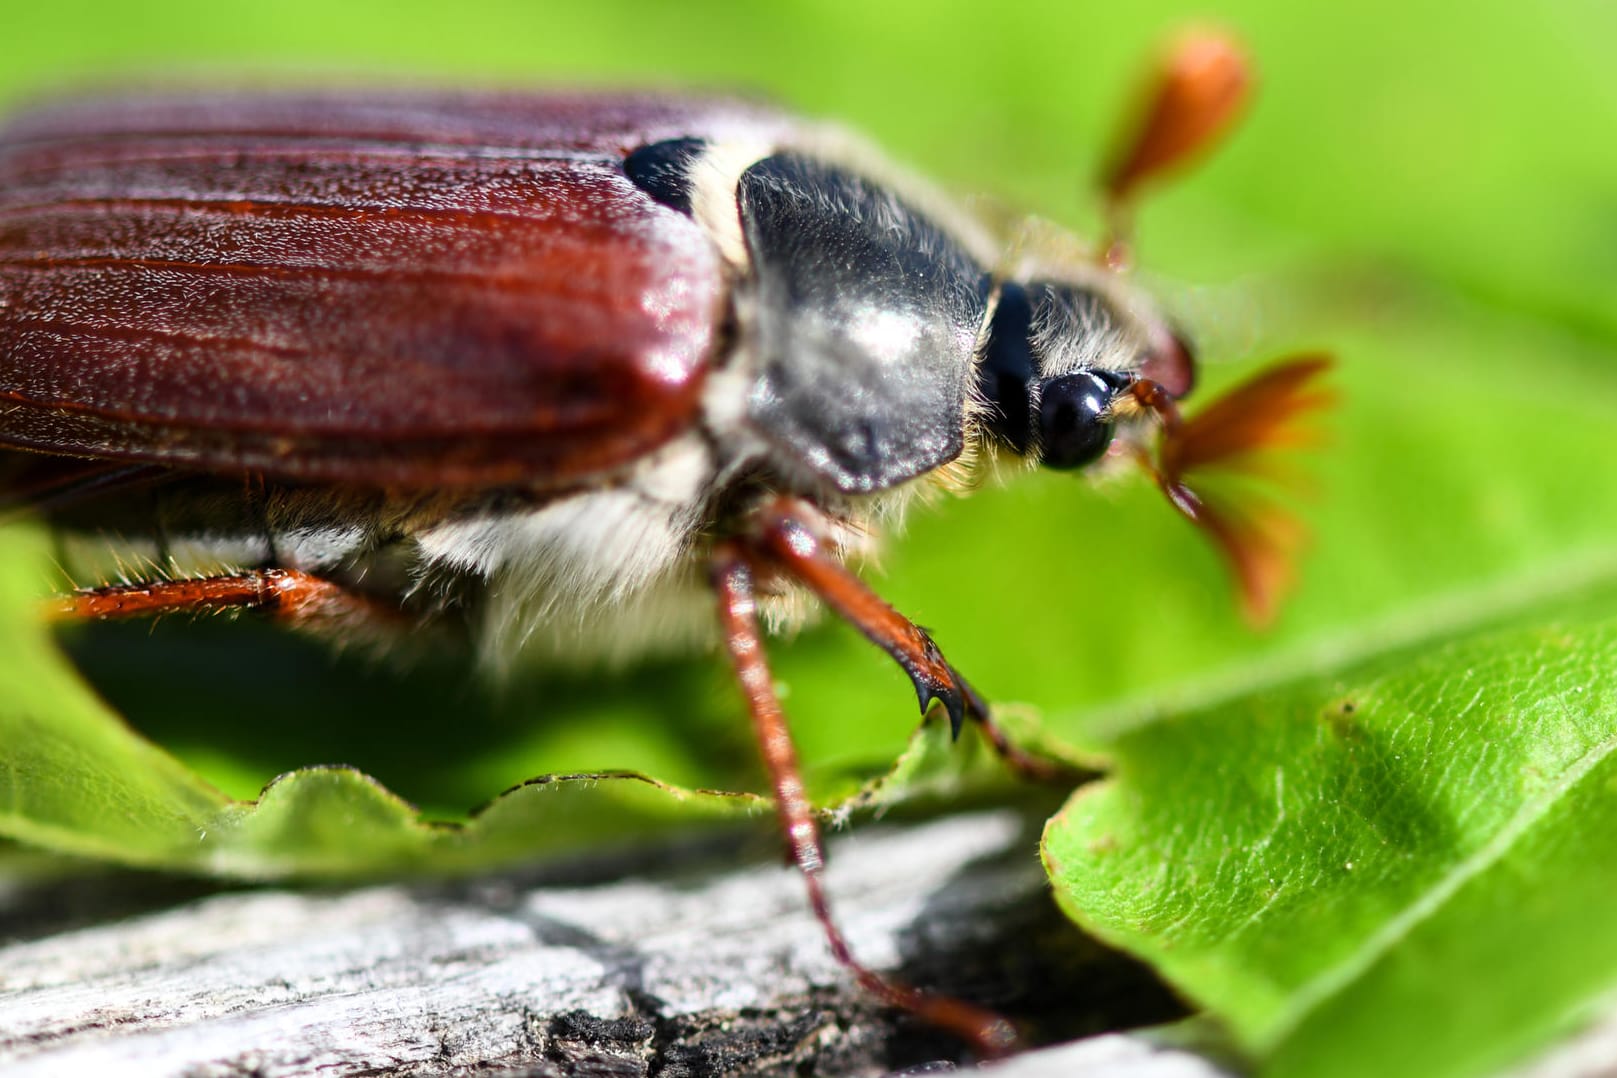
{"x": 1199, "y": 88}
{"x": 1257, "y": 536}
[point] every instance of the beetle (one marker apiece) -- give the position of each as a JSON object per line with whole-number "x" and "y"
{"x": 570, "y": 370}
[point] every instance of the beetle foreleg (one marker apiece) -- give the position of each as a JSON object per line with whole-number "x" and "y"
{"x": 988, "y": 1033}
{"x": 785, "y": 541}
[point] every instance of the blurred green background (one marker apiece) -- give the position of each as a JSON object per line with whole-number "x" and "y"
{"x": 1426, "y": 190}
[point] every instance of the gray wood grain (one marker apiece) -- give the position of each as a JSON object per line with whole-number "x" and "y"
{"x": 706, "y": 963}
{"x": 695, "y": 959}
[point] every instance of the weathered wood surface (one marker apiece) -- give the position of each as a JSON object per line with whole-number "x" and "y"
{"x": 707, "y": 963}
{"x": 693, "y": 960}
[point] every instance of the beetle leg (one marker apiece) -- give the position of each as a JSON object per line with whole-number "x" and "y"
{"x": 1030, "y": 766}
{"x": 299, "y": 599}
{"x": 733, "y": 579}
{"x": 785, "y": 541}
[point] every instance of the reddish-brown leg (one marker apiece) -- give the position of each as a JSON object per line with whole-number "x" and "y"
{"x": 784, "y": 541}
{"x": 987, "y": 1032}
{"x": 297, "y": 598}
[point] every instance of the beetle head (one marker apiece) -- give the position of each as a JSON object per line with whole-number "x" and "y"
{"x": 1060, "y": 364}
{"x": 1065, "y": 368}
{"x": 1067, "y": 365}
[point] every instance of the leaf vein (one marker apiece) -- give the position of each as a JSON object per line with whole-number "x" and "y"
{"x": 1310, "y": 995}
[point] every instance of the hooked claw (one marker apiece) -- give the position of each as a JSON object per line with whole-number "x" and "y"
{"x": 951, "y": 699}
{"x": 935, "y": 679}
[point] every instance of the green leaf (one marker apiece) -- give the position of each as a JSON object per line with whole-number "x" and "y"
{"x": 1402, "y": 866}
{"x": 71, "y": 776}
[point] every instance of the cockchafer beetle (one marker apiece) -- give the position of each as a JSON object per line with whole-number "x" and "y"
{"x": 569, "y": 368}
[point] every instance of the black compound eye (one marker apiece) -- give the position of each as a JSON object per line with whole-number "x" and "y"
{"x": 1073, "y": 428}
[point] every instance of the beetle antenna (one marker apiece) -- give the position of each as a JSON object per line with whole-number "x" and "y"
{"x": 1257, "y": 536}
{"x": 1200, "y": 86}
